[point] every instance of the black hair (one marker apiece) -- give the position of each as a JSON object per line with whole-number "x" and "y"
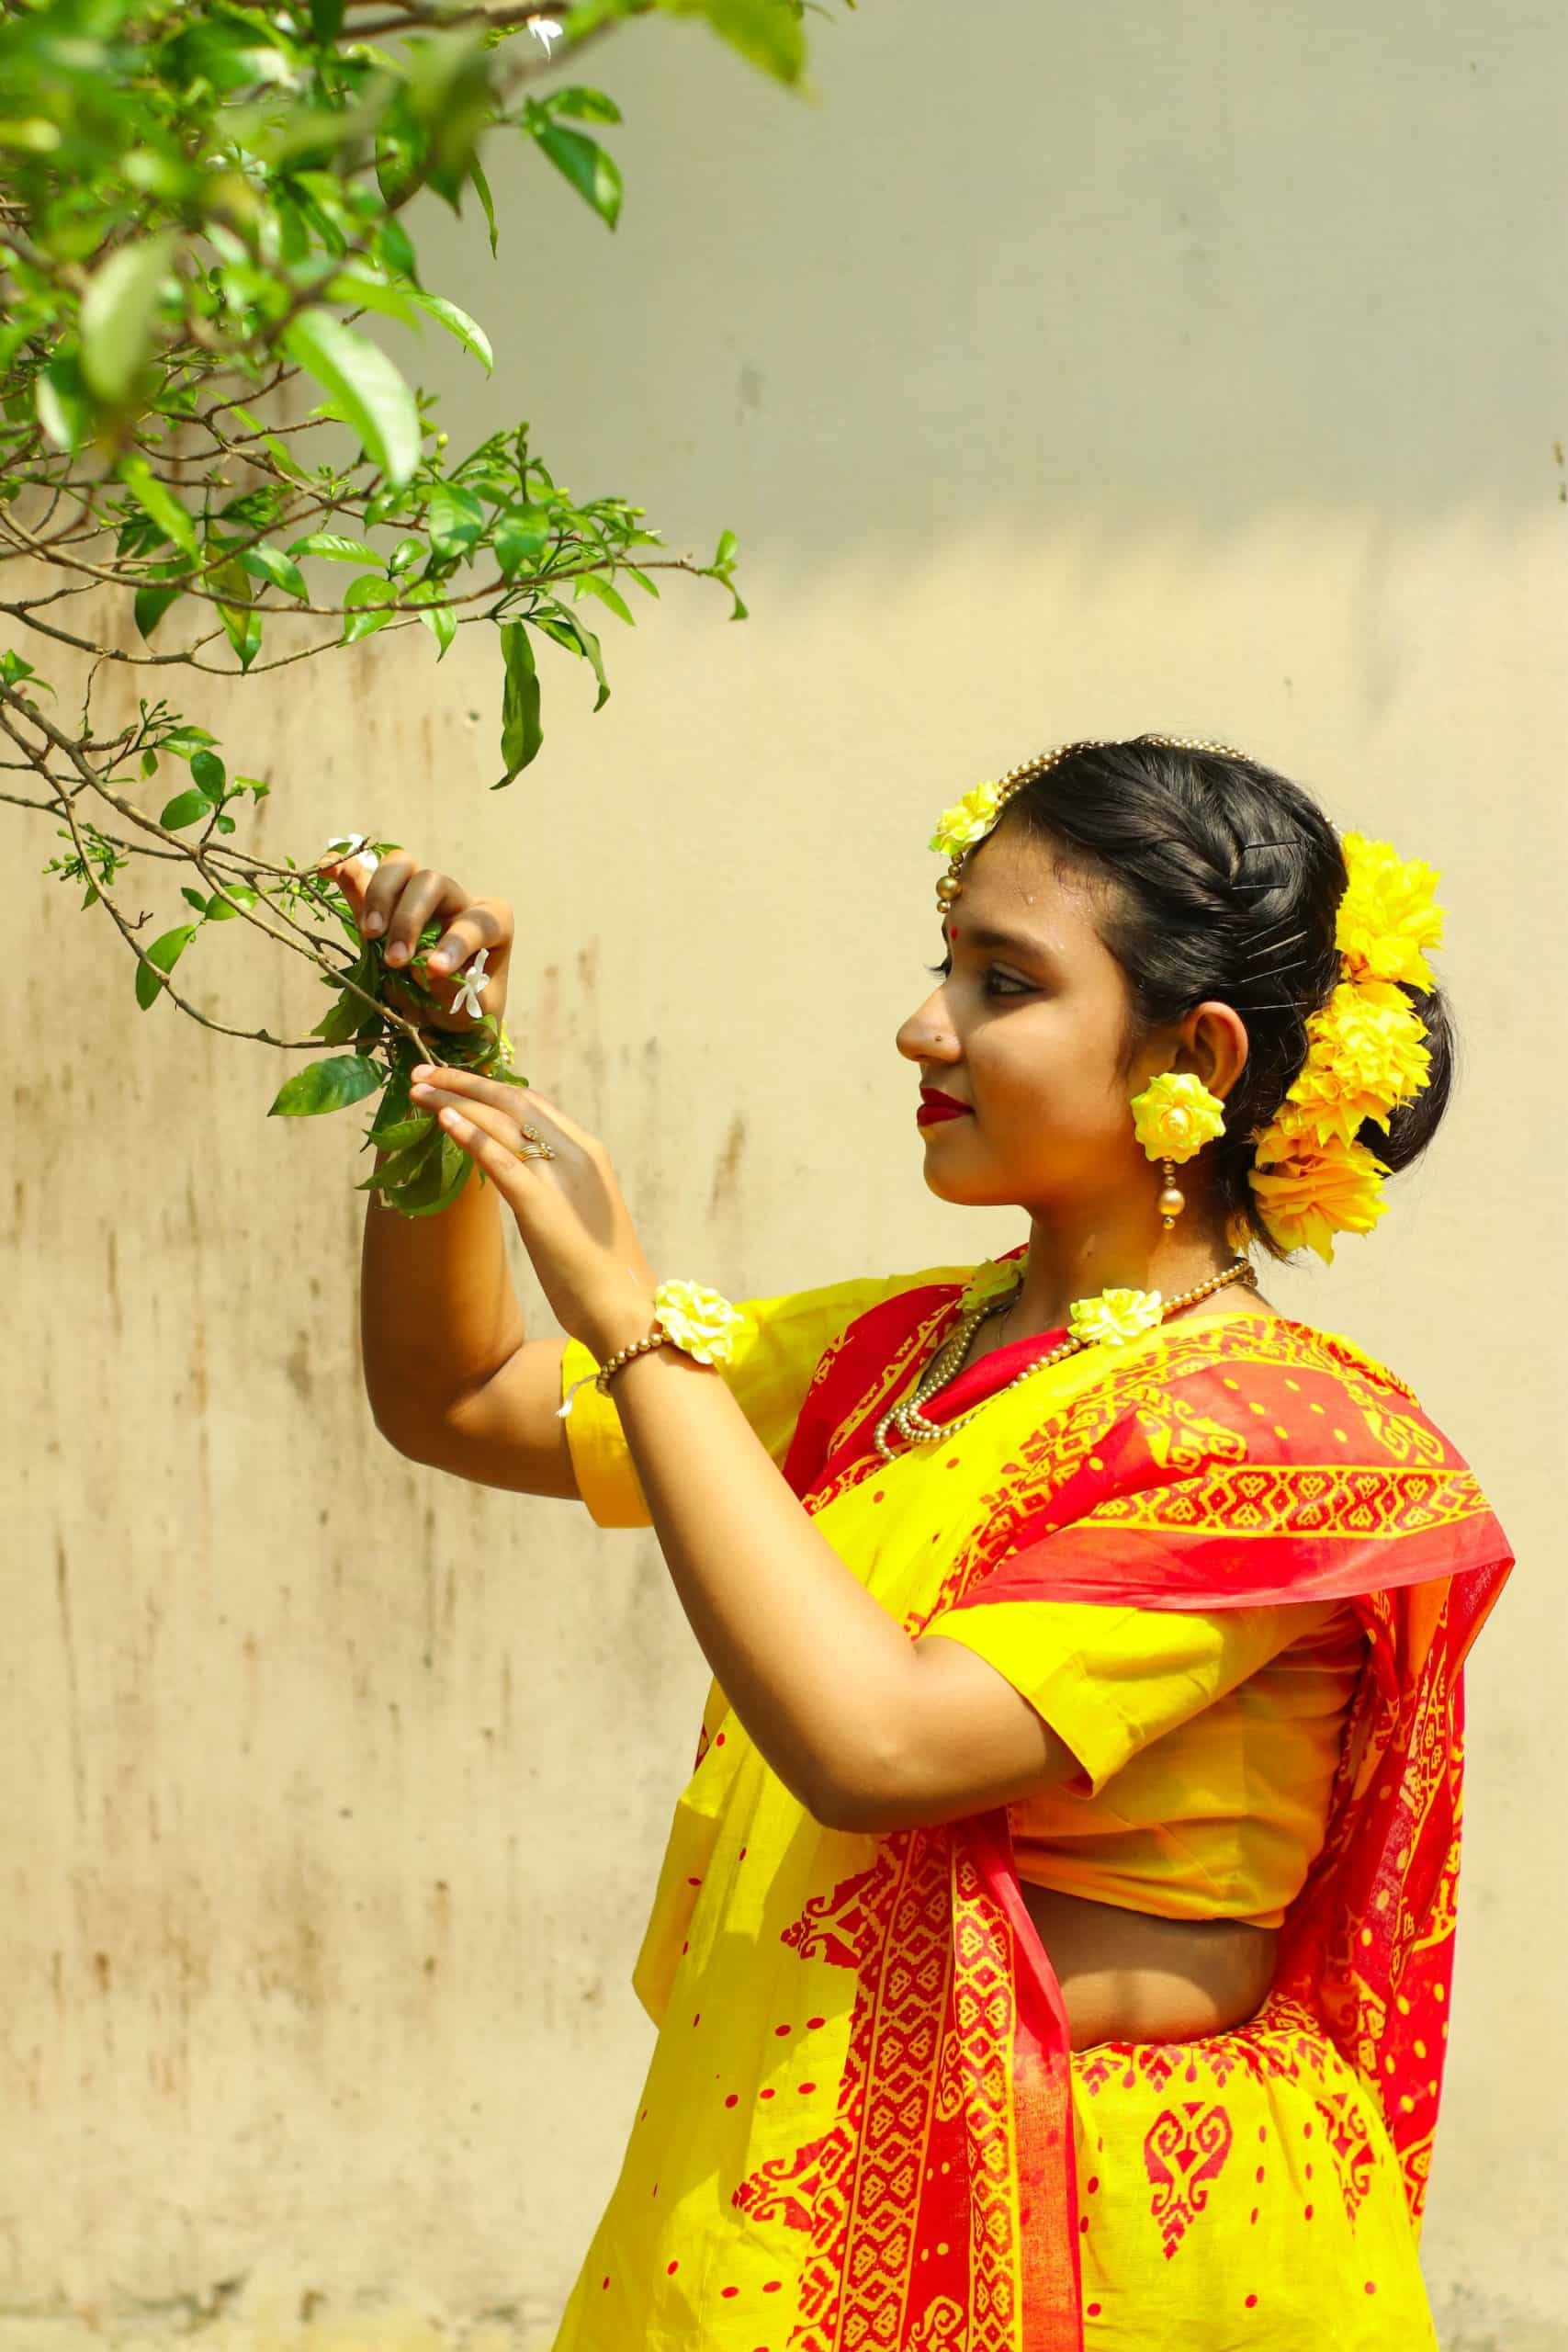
{"x": 1219, "y": 878}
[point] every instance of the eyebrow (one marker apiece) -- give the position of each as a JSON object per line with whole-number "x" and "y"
{"x": 1006, "y": 943}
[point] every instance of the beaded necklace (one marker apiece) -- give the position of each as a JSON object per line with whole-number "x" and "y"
{"x": 948, "y": 1361}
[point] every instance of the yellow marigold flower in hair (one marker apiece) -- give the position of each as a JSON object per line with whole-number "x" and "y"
{"x": 1115, "y": 1317}
{"x": 1176, "y": 1116}
{"x": 1306, "y": 1201}
{"x": 1388, "y": 915}
{"x": 1365, "y": 1052}
{"x": 969, "y": 820}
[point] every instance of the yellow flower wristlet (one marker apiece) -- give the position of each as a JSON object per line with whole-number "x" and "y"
{"x": 700, "y": 1322}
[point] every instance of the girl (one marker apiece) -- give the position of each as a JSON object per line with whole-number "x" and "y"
{"x": 1053, "y": 1943}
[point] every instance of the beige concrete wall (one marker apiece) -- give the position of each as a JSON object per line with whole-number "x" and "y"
{"x": 1092, "y": 371}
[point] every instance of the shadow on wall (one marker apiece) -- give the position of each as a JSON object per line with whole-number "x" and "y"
{"x": 1103, "y": 261}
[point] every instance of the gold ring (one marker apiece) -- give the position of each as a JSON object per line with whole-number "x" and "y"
{"x": 541, "y": 1150}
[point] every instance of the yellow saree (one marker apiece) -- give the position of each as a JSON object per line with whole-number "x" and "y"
{"x": 861, "y": 2126}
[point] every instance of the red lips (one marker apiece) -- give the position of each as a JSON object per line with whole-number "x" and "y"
{"x": 935, "y": 1105}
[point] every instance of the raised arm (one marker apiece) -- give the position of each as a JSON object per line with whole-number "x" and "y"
{"x": 452, "y": 1378}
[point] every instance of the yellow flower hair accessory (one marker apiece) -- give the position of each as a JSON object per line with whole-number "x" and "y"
{"x": 1176, "y": 1116}
{"x": 1306, "y": 1201}
{"x": 1115, "y": 1317}
{"x": 968, "y": 820}
{"x": 1387, "y": 915}
{"x": 1366, "y": 1054}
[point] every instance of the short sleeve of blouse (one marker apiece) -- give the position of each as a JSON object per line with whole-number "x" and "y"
{"x": 776, "y": 1349}
{"x": 1109, "y": 1681}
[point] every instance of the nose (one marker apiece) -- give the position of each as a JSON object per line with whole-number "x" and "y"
{"x": 923, "y": 1038}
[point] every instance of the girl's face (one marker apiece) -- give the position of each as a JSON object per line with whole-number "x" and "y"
{"x": 1026, "y": 1029}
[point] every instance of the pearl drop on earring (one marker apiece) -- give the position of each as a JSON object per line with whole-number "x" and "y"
{"x": 1171, "y": 1200}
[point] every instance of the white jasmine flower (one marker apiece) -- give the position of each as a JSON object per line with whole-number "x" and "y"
{"x": 543, "y": 29}
{"x": 469, "y": 983}
{"x": 354, "y": 849}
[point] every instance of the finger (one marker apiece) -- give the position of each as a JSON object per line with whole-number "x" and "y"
{"x": 478, "y": 1130}
{"x": 474, "y": 1096}
{"x": 423, "y": 895}
{"x": 386, "y": 884}
{"x": 479, "y": 925}
{"x": 513, "y": 1102}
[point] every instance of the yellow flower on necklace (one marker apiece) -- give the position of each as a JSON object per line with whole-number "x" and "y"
{"x": 969, "y": 820}
{"x": 1115, "y": 1317}
{"x": 1176, "y": 1116}
{"x": 1388, "y": 915}
{"x": 1305, "y": 1201}
{"x": 992, "y": 1279}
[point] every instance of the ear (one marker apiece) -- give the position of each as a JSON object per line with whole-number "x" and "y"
{"x": 1214, "y": 1046}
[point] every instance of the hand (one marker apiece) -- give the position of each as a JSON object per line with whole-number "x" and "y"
{"x": 574, "y": 1222}
{"x": 396, "y": 901}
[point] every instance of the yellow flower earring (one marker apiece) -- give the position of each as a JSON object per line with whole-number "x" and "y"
{"x": 1173, "y": 1118}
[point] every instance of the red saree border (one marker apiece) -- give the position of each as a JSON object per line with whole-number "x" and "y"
{"x": 951, "y": 2217}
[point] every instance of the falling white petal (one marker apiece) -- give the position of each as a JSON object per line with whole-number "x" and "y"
{"x": 544, "y": 30}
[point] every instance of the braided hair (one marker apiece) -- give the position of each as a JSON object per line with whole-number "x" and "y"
{"x": 1220, "y": 877}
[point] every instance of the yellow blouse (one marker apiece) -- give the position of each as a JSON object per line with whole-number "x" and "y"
{"x": 1207, "y": 1741}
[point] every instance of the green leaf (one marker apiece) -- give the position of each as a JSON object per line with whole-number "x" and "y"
{"x": 207, "y": 773}
{"x": 244, "y": 626}
{"x": 265, "y": 562}
{"x": 428, "y": 597}
{"x": 373, "y": 602}
{"x": 581, "y": 639}
{"x": 326, "y": 1086}
{"x": 393, "y": 249}
{"x": 166, "y": 954}
{"x": 120, "y": 311}
{"x": 332, "y": 545}
{"x": 60, "y": 398}
{"x": 588, "y": 106}
{"x": 155, "y": 499}
{"x": 521, "y": 734}
{"x": 151, "y": 605}
{"x": 185, "y": 808}
{"x": 486, "y": 201}
{"x": 185, "y": 741}
{"x": 364, "y": 290}
{"x": 404, "y": 1160}
{"x": 591, "y": 171}
{"x": 728, "y": 548}
{"x": 597, "y": 585}
{"x": 765, "y": 33}
{"x": 218, "y": 908}
{"x": 521, "y": 532}
{"x": 454, "y": 518}
{"x": 469, "y": 332}
{"x": 326, "y": 19}
{"x": 642, "y": 579}
{"x": 366, "y": 386}
{"x": 192, "y": 897}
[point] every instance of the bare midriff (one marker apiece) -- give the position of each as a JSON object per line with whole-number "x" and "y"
{"x": 1128, "y": 1976}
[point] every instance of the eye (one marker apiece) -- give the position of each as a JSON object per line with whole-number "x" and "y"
{"x": 997, "y": 983}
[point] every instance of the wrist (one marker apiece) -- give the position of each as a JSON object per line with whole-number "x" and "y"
{"x": 616, "y": 1322}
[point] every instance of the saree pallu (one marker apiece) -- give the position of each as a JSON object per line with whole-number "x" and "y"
{"x": 862, "y": 2128}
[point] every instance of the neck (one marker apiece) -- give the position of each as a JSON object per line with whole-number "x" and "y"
{"x": 1065, "y": 1264}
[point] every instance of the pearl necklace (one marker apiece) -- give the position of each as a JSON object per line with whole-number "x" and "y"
{"x": 908, "y": 1417}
